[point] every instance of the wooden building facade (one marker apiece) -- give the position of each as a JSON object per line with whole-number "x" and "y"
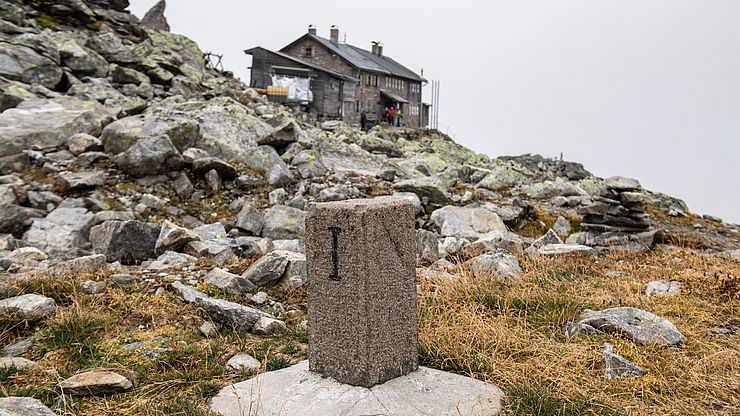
{"x": 378, "y": 82}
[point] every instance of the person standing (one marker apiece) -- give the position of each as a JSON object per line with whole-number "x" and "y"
{"x": 392, "y": 116}
{"x": 386, "y": 117}
{"x": 363, "y": 121}
{"x": 399, "y": 116}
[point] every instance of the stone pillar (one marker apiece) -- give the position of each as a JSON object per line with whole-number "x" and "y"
{"x": 360, "y": 260}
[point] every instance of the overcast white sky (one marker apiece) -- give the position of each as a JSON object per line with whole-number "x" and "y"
{"x": 642, "y": 88}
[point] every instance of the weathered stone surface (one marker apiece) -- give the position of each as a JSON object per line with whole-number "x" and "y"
{"x": 504, "y": 176}
{"x": 96, "y": 382}
{"x": 210, "y": 330}
{"x": 81, "y": 181}
{"x": 617, "y": 366}
{"x": 171, "y": 259}
{"x": 243, "y": 363}
{"x": 228, "y": 282}
{"x": 269, "y": 268}
{"x": 620, "y": 183}
{"x": 249, "y": 219}
{"x": 308, "y": 165}
{"x": 269, "y": 326}
{"x": 23, "y": 406}
{"x": 63, "y": 233}
{"x": 636, "y": 324}
{"x": 19, "y": 363}
{"x": 118, "y": 136}
{"x": 663, "y": 287}
{"x": 14, "y": 219}
{"x": 225, "y": 170}
{"x": 410, "y": 196}
{"x": 31, "y": 59}
{"x": 150, "y": 156}
{"x": 295, "y": 272}
{"x": 431, "y": 188}
{"x": 551, "y": 237}
{"x": 562, "y": 227}
{"x": 360, "y": 260}
{"x": 154, "y": 19}
{"x": 469, "y": 223}
{"x": 187, "y": 293}
{"x": 427, "y": 247}
{"x": 47, "y": 123}
{"x": 112, "y": 48}
{"x": 267, "y": 162}
{"x": 19, "y": 348}
{"x": 80, "y": 59}
{"x": 172, "y": 237}
{"x": 125, "y": 241}
{"x": 501, "y": 265}
{"x": 296, "y": 391}
{"x": 562, "y": 249}
{"x": 283, "y": 223}
{"x": 233, "y": 315}
{"x": 92, "y": 287}
{"x": 30, "y": 307}
{"x": 81, "y": 142}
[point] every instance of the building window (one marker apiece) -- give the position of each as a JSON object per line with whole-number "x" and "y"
{"x": 375, "y": 80}
{"x": 357, "y": 106}
{"x": 308, "y": 52}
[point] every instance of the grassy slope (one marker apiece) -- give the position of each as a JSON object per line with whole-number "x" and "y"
{"x": 506, "y": 333}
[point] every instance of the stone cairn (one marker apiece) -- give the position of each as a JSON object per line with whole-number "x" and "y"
{"x": 619, "y": 208}
{"x": 616, "y": 219}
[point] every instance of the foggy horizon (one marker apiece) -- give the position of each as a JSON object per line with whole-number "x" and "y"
{"x": 649, "y": 90}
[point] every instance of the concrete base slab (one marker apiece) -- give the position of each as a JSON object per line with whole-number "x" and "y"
{"x": 295, "y": 391}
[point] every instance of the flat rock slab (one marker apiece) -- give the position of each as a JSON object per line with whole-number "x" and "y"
{"x": 295, "y": 391}
{"x": 23, "y": 406}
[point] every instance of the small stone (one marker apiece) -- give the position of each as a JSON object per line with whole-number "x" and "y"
{"x": 620, "y": 183}
{"x": 551, "y": 237}
{"x": 269, "y": 326}
{"x": 29, "y": 307}
{"x": 249, "y": 219}
{"x": 427, "y": 247}
{"x": 210, "y": 329}
{"x": 562, "y": 227}
{"x": 81, "y": 181}
{"x": 171, "y": 259}
{"x": 121, "y": 280}
{"x": 92, "y": 287}
{"x": 228, "y": 282}
{"x": 94, "y": 383}
{"x": 663, "y": 287}
{"x": 563, "y": 249}
{"x": 638, "y": 325}
{"x": 618, "y": 366}
{"x": 19, "y": 348}
{"x": 81, "y": 143}
{"x": 213, "y": 180}
{"x": 233, "y": 315}
{"x": 501, "y": 265}
{"x": 259, "y": 298}
{"x": 19, "y": 363}
{"x": 243, "y": 363}
{"x": 172, "y": 237}
{"x": 269, "y": 268}
{"x": 278, "y": 197}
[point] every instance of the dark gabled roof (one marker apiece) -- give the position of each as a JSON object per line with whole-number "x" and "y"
{"x": 362, "y": 59}
{"x": 307, "y": 64}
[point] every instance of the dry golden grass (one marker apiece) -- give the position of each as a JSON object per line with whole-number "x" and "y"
{"x": 511, "y": 334}
{"x": 508, "y": 333}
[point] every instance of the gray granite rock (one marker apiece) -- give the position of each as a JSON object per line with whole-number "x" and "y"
{"x": 23, "y": 406}
{"x": 228, "y": 282}
{"x": 469, "y": 223}
{"x": 63, "y": 233}
{"x": 501, "y": 265}
{"x": 232, "y": 315}
{"x": 95, "y": 383}
{"x": 30, "y": 307}
{"x": 125, "y": 241}
{"x": 150, "y": 156}
{"x": 283, "y": 223}
{"x": 269, "y": 268}
{"x": 269, "y": 326}
{"x": 617, "y": 366}
{"x": 172, "y": 237}
{"x": 638, "y": 325}
{"x": 663, "y": 287}
{"x": 243, "y": 363}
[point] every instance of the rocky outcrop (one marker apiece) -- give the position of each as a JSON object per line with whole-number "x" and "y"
{"x": 154, "y": 19}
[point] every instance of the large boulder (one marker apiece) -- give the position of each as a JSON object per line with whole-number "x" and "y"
{"x": 432, "y": 188}
{"x": 80, "y": 59}
{"x": 31, "y": 59}
{"x": 112, "y": 48}
{"x": 269, "y": 268}
{"x": 504, "y": 175}
{"x": 470, "y": 223}
{"x": 266, "y": 161}
{"x": 124, "y": 133}
{"x": 48, "y": 123}
{"x": 150, "y": 156}
{"x": 63, "y": 233}
{"x": 283, "y": 223}
{"x": 638, "y": 325}
{"x": 125, "y": 241}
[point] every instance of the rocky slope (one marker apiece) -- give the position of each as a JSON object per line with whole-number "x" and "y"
{"x": 122, "y": 151}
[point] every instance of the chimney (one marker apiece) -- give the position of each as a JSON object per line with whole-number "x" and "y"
{"x": 334, "y": 34}
{"x": 380, "y": 50}
{"x": 312, "y": 30}
{"x": 375, "y": 48}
